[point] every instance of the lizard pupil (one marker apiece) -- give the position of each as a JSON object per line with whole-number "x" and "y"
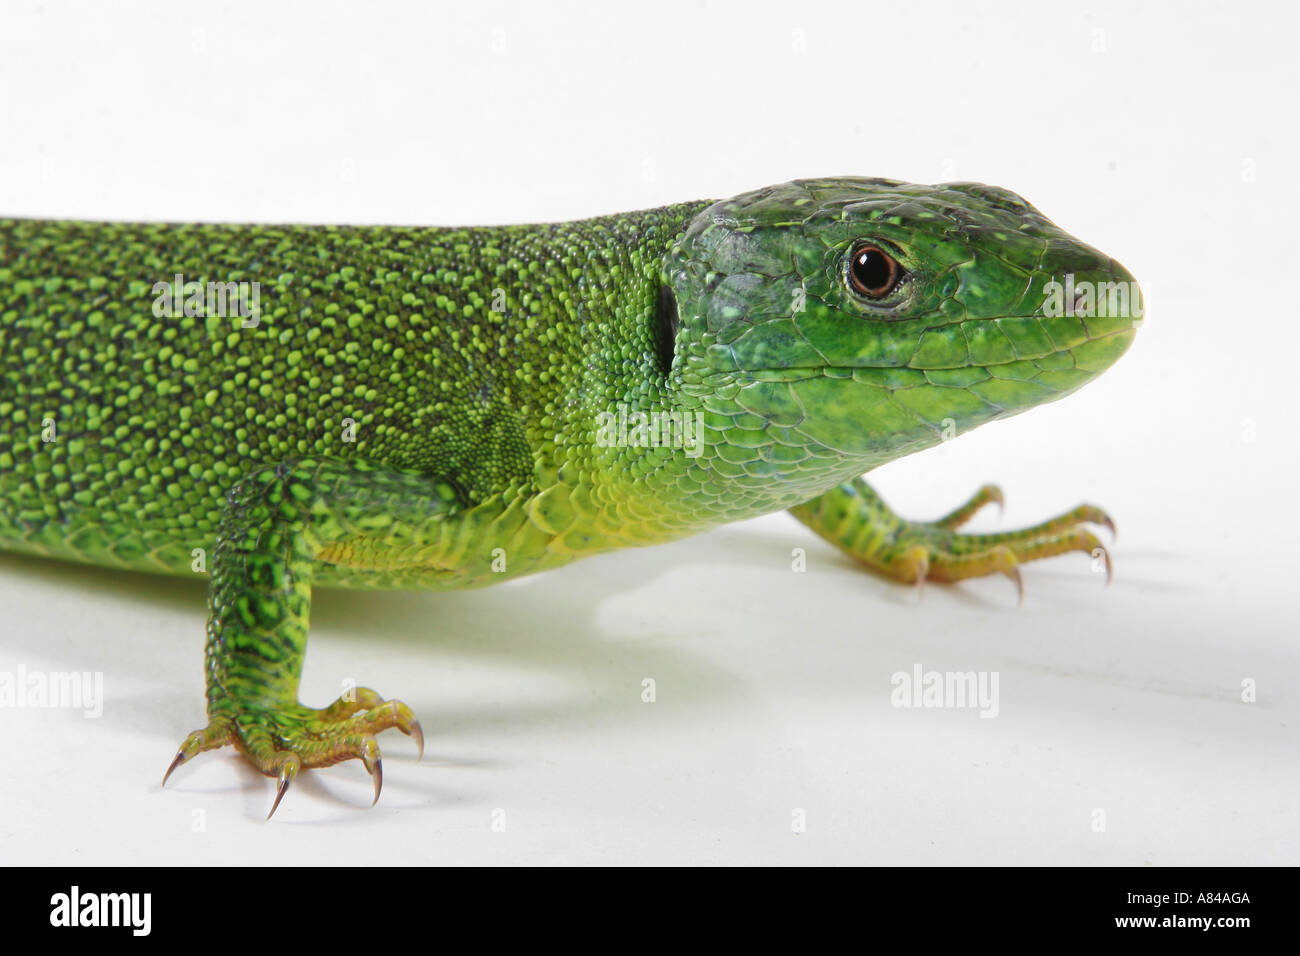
{"x": 873, "y": 272}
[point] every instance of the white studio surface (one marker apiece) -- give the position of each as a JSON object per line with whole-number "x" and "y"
{"x": 1121, "y": 735}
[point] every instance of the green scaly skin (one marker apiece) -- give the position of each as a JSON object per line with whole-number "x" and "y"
{"x": 421, "y": 407}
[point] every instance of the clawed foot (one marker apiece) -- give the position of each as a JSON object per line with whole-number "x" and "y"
{"x": 280, "y": 740}
{"x": 936, "y": 551}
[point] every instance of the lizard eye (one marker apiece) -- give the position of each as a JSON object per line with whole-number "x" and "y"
{"x": 873, "y": 272}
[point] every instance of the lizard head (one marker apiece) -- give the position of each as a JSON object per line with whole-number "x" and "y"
{"x": 870, "y": 318}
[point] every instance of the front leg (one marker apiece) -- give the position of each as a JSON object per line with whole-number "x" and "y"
{"x": 278, "y": 522}
{"x": 853, "y": 517}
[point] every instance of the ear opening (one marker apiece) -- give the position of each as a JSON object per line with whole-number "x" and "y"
{"x": 666, "y": 325}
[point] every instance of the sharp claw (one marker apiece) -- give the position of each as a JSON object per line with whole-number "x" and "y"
{"x": 1106, "y": 522}
{"x": 1014, "y": 575}
{"x": 374, "y": 765}
{"x": 1110, "y": 568}
{"x": 418, "y": 733}
{"x": 180, "y": 759}
{"x": 995, "y": 496}
{"x": 1011, "y": 568}
{"x": 280, "y": 791}
{"x": 287, "y": 773}
{"x": 192, "y": 745}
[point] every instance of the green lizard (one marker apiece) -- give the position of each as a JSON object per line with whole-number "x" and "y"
{"x": 446, "y": 408}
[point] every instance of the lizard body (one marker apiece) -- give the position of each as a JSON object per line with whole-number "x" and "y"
{"x": 444, "y": 408}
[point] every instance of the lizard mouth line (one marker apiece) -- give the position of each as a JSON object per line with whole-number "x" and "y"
{"x": 832, "y": 367}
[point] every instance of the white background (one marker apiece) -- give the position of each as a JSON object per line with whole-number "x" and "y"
{"x": 1164, "y": 135}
